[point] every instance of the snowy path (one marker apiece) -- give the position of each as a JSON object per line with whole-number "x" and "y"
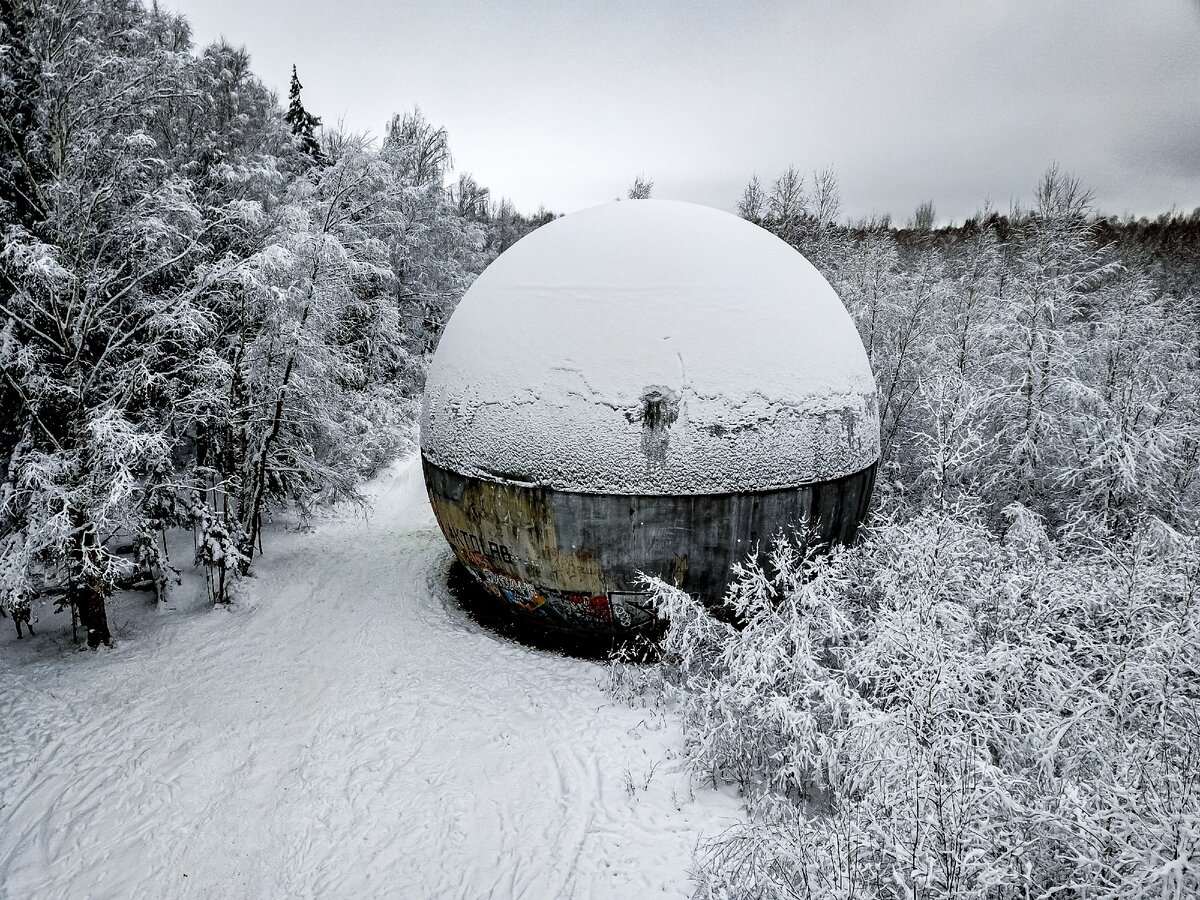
{"x": 344, "y": 732}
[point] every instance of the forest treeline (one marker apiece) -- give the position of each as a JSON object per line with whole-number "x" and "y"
{"x": 207, "y": 313}
{"x": 1048, "y": 357}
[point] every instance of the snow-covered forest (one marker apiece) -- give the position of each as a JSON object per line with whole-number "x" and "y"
{"x": 207, "y": 313}
{"x": 216, "y": 309}
{"x": 997, "y": 692}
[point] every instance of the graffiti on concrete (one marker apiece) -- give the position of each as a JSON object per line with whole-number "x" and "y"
{"x": 474, "y": 544}
{"x": 560, "y": 608}
{"x": 577, "y": 560}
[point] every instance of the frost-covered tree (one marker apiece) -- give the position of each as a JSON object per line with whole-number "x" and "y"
{"x": 977, "y": 273}
{"x": 436, "y": 253}
{"x": 506, "y": 225}
{"x": 418, "y": 150}
{"x": 787, "y": 204}
{"x": 895, "y": 307}
{"x": 325, "y": 343}
{"x": 96, "y": 333}
{"x": 923, "y": 216}
{"x": 1058, "y": 264}
{"x": 1132, "y": 429}
{"x": 753, "y": 204}
{"x": 471, "y": 200}
{"x": 806, "y": 219}
{"x": 23, "y": 163}
{"x": 641, "y": 189}
{"x": 820, "y": 237}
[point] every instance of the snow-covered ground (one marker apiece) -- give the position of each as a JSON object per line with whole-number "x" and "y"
{"x": 345, "y": 730}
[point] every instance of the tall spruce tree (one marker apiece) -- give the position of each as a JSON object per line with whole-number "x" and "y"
{"x": 302, "y": 122}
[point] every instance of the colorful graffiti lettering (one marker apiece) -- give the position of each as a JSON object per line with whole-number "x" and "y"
{"x": 562, "y": 607}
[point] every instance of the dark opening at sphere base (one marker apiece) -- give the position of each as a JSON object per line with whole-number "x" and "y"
{"x": 571, "y": 561}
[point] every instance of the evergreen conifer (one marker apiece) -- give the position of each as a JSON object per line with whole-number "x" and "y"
{"x": 302, "y": 122}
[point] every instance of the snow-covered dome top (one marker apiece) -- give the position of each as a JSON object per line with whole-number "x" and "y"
{"x": 651, "y": 347}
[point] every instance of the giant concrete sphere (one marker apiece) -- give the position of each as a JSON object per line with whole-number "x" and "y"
{"x": 646, "y": 386}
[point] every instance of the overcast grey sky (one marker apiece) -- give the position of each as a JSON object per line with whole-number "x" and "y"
{"x": 563, "y": 102}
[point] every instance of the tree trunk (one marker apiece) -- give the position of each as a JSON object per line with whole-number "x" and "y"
{"x": 258, "y": 488}
{"x": 88, "y": 591}
{"x": 89, "y": 600}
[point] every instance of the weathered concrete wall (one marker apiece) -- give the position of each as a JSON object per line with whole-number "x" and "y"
{"x": 573, "y": 558}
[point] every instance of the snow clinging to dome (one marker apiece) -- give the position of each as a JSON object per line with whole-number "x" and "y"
{"x": 651, "y": 347}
